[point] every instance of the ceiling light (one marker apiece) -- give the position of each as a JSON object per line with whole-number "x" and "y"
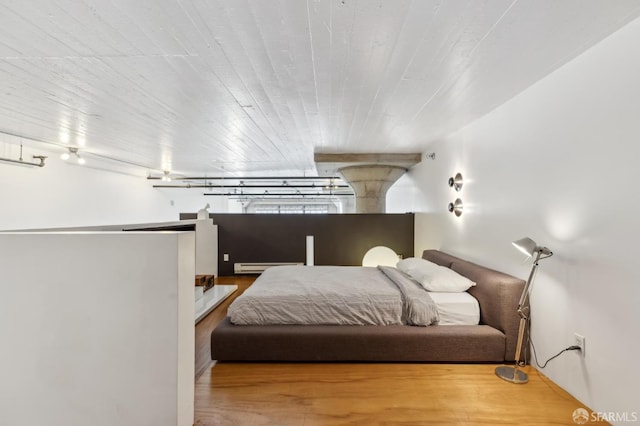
{"x": 166, "y": 177}
{"x": 71, "y": 150}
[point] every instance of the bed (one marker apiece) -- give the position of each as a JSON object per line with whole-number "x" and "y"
{"x": 492, "y": 339}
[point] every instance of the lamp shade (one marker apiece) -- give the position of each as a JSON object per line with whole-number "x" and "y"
{"x": 525, "y": 245}
{"x": 380, "y": 255}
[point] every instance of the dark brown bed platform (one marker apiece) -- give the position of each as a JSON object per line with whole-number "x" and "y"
{"x": 493, "y": 340}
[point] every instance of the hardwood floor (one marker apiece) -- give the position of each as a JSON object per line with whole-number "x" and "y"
{"x": 370, "y": 394}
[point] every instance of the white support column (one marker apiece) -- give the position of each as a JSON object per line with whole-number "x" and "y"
{"x": 370, "y": 183}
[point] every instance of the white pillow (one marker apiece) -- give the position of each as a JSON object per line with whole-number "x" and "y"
{"x": 416, "y": 267}
{"x": 445, "y": 280}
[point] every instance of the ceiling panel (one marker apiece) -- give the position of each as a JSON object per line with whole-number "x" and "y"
{"x": 253, "y": 86}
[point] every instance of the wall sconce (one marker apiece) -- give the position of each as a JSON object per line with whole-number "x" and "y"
{"x": 456, "y": 207}
{"x": 456, "y": 182}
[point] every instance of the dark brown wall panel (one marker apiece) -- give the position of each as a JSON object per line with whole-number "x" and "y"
{"x": 340, "y": 239}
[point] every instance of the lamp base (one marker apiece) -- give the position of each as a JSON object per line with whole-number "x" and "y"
{"x": 510, "y": 374}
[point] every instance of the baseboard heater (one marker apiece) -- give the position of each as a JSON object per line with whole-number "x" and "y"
{"x": 258, "y": 268}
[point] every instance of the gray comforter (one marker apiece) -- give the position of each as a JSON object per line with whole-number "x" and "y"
{"x": 338, "y": 295}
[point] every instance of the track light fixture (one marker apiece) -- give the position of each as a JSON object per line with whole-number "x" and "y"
{"x": 256, "y": 186}
{"x": 331, "y": 185}
{"x": 72, "y": 151}
{"x": 20, "y": 160}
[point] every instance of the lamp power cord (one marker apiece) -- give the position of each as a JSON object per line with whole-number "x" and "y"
{"x": 535, "y": 356}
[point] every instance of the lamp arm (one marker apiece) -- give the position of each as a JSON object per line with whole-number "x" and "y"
{"x": 525, "y": 292}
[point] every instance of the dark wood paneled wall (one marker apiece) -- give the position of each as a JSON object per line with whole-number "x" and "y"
{"x": 340, "y": 239}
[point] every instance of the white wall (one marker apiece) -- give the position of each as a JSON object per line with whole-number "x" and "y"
{"x": 97, "y": 328}
{"x": 557, "y": 163}
{"x": 64, "y": 195}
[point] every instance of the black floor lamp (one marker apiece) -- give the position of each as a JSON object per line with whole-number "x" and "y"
{"x": 528, "y": 247}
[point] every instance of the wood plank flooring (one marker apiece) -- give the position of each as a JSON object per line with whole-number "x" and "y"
{"x": 370, "y": 394}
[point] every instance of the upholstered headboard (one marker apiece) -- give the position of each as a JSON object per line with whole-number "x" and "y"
{"x": 497, "y": 293}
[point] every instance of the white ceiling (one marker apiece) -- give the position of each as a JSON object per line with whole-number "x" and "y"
{"x": 257, "y": 86}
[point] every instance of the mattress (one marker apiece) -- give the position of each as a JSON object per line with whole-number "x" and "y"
{"x": 333, "y": 295}
{"x": 456, "y": 308}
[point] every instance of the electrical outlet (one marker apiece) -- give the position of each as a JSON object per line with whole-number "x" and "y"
{"x": 225, "y": 257}
{"x": 579, "y": 341}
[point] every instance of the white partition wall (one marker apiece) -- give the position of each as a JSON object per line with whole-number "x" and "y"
{"x": 96, "y": 328}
